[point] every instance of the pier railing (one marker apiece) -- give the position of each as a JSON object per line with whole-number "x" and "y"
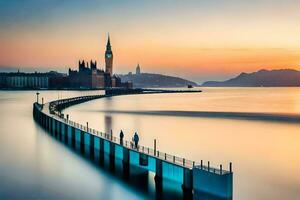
{"x": 55, "y": 108}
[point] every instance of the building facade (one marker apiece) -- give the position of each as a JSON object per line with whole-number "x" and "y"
{"x": 20, "y": 80}
{"x": 88, "y": 77}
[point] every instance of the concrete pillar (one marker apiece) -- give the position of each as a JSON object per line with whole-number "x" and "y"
{"x": 126, "y": 155}
{"x": 51, "y": 125}
{"x": 101, "y": 145}
{"x": 158, "y": 169}
{"x": 82, "y": 141}
{"x": 126, "y": 162}
{"x": 41, "y": 119}
{"x": 187, "y": 179}
{"x": 92, "y": 145}
{"x": 73, "y": 137}
{"x": 59, "y": 130}
{"x": 66, "y": 133}
{"x": 112, "y": 149}
{"x": 44, "y": 121}
{"x": 158, "y": 178}
{"x": 48, "y": 123}
{"x": 54, "y": 127}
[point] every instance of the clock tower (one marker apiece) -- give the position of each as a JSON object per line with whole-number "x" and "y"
{"x": 108, "y": 58}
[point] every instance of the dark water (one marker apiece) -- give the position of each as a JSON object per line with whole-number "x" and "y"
{"x": 265, "y": 153}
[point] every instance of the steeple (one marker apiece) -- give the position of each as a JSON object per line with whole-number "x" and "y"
{"x": 108, "y": 46}
{"x": 138, "y": 69}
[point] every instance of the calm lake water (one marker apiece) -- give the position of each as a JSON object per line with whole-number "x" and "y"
{"x": 265, "y": 154}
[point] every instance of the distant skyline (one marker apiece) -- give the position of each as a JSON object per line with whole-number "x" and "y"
{"x": 198, "y": 40}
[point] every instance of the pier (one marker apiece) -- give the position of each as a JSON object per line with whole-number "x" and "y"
{"x": 197, "y": 177}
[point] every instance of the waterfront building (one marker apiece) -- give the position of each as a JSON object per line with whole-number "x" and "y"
{"x": 20, "y": 80}
{"x": 88, "y": 77}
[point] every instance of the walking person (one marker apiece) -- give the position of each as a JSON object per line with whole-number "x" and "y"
{"x": 121, "y": 137}
{"x": 136, "y": 140}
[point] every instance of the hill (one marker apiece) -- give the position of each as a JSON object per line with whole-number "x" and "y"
{"x": 261, "y": 78}
{"x": 148, "y": 80}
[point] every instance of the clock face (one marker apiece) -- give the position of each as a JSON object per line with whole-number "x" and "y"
{"x": 108, "y": 55}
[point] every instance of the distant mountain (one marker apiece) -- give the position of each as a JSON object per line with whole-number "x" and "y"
{"x": 265, "y": 78}
{"x": 155, "y": 80}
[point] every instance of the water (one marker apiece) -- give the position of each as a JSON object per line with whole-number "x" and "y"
{"x": 265, "y": 154}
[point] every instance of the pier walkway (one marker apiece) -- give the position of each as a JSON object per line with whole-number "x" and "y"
{"x": 194, "y": 176}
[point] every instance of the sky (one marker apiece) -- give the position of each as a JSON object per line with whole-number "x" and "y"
{"x": 195, "y": 39}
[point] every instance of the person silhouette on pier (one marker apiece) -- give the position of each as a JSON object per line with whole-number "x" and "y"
{"x": 121, "y": 137}
{"x": 136, "y": 140}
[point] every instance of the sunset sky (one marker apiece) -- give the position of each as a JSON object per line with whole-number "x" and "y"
{"x": 196, "y": 39}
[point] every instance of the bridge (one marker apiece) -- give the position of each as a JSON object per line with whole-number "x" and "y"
{"x": 196, "y": 177}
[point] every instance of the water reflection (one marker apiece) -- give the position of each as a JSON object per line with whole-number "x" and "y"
{"x": 264, "y": 152}
{"x": 108, "y": 124}
{"x": 139, "y": 179}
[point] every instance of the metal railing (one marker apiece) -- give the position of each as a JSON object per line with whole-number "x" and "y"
{"x": 130, "y": 144}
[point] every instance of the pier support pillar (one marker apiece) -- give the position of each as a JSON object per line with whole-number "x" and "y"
{"x": 101, "y": 146}
{"x": 54, "y": 127}
{"x": 92, "y": 145}
{"x": 112, "y": 150}
{"x": 101, "y": 151}
{"x": 158, "y": 177}
{"x": 82, "y": 142}
{"x": 158, "y": 170}
{"x": 73, "y": 137}
{"x": 48, "y": 123}
{"x": 59, "y": 130}
{"x": 66, "y": 133}
{"x": 44, "y": 121}
{"x": 112, "y": 156}
{"x": 126, "y": 155}
{"x": 187, "y": 179}
{"x": 126, "y": 162}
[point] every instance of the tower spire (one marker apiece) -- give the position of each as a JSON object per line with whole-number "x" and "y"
{"x": 108, "y": 46}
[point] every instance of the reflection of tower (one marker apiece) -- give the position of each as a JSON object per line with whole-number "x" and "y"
{"x": 108, "y": 123}
{"x": 138, "y": 69}
{"x": 108, "y": 58}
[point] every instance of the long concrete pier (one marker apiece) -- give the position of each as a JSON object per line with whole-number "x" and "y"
{"x": 197, "y": 177}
